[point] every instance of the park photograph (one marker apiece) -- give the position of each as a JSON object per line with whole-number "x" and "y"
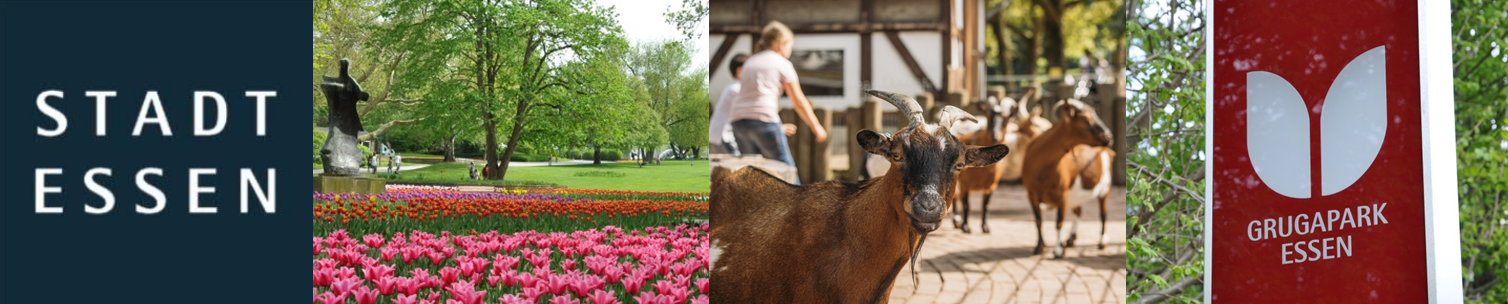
{"x": 509, "y": 151}
{"x": 918, "y": 151}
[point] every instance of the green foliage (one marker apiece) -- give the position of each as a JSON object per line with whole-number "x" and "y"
{"x": 1481, "y": 87}
{"x": 319, "y": 141}
{"x": 521, "y": 156}
{"x": 675, "y": 91}
{"x": 690, "y": 18}
{"x": 1165, "y": 204}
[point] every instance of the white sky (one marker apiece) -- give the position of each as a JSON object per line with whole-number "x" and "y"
{"x": 644, "y": 21}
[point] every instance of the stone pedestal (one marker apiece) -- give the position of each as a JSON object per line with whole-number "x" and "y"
{"x": 348, "y": 184}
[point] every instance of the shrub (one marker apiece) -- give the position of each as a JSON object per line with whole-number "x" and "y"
{"x": 319, "y": 141}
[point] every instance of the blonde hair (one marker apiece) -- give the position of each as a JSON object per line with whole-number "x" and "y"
{"x": 773, "y": 33}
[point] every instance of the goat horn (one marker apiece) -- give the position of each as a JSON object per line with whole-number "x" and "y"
{"x": 950, "y": 115}
{"x": 908, "y": 106}
{"x": 1068, "y": 102}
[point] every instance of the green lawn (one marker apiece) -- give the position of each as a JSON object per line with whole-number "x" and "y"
{"x": 671, "y": 176}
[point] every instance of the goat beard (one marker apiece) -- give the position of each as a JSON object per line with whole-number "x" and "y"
{"x": 914, "y": 251}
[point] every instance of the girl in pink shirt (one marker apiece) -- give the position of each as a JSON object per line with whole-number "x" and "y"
{"x": 755, "y": 112}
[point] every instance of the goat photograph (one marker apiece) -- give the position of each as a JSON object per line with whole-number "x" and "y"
{"x": 950, "y": 156}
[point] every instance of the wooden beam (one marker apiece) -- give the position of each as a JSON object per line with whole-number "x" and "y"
{"x": 722, "y": 50}
{"x": 866, "y": 42}
{"x": 916, "y": 69}
{"x": 811, "y": 28}
{"x": 866, "y": 64}
{"x": 947, "y": 47}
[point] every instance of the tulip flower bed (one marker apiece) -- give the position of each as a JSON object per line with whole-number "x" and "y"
{"x": 606, "y": 265}
{"x": 400, "y": 210}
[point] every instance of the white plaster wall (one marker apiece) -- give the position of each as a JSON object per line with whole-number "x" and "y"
{"x": 721, "y": 77}
{"x": 890, "y": 71}
{"x": 849, "y": 43}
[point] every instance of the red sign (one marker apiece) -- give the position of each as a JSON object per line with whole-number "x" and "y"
{"x": 1317, "y": 184}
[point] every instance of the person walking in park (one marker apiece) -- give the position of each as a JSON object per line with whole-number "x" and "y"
{"x": 397, "y": 163}
{"x": 720, "y": 132}
{"x": 372, "y": 163}
{"x": 473, "y": 171}
{"x": 757, "y": 128}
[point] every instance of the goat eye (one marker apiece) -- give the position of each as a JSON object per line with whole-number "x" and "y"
{"x": 958, "y": 166}
{"x": 895, "y": 157}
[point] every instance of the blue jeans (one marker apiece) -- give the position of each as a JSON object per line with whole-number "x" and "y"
{"x": 763, "y": 138}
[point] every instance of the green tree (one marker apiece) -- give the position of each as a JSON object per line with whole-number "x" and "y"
{"x": 511, "y": 53}
{"x": 1481, "y": 87}
{"x": 1165, "y": 187}
{"x": 690, "y": 18}
{"x": 674, "y": 91}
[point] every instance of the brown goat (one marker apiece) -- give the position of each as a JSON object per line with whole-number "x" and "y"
{"x": 832, "y": 242}
{"x": 1007, "y": 124}
{"x": 1066, "y": 167}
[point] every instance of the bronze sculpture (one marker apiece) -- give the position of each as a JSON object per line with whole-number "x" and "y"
{"x": 340, "y": 155}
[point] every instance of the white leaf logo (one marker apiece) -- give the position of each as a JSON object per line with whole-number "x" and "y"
{"x": 1352, "y": 125}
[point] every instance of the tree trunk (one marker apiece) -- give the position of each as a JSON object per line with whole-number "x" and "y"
{"x": 450, "y": 149}
{"x": 1052, "y": 40}
{"x": 597, "y": 155}
{"x": 491, "y": 148}
{"x": 518, "y": 131}
{"x": 1003, "y": 54}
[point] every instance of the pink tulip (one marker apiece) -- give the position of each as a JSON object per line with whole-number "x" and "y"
{"x": 466, "y": 292}
{"x": 323, "y": 277}
{"x": 406, "y": 299}
{"x": 701, "y": 299}
{"x": 385, "y": 285}
{"x": 449, "y": 274}
{"x": 377, "y": 272}
{"x": 504, "y": 262}
{"x": 512, "y": 299}
{"x": 562, "y": 299}
{"x": 557, "y": 285}
{"x": 343, "y": 287}
{"x": 633, "y": 283}
{"x": 647, "y": 297}
{"x": 701, "y": 285}
{"x": 373, "y": 240}
{"x": 330, "y": 298}
{"x": 603, "y": 297}
{"x": 527, "y": 280}
{"x": 409, "y": 286}
{"x": 532, "y": 294}
{"x": 364, "y": 295}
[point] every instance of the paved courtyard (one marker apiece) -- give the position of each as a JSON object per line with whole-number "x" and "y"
{"x": 954, "y": 267}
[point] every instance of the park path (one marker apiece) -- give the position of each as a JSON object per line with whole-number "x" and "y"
{"x": 406, "y": 167}
{"x": 415, "y": 166}
{"x": 954, "y": 267}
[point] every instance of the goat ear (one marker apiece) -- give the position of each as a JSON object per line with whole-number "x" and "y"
{"x": 984, "y": 156}
{"x": 874, "y": 142}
